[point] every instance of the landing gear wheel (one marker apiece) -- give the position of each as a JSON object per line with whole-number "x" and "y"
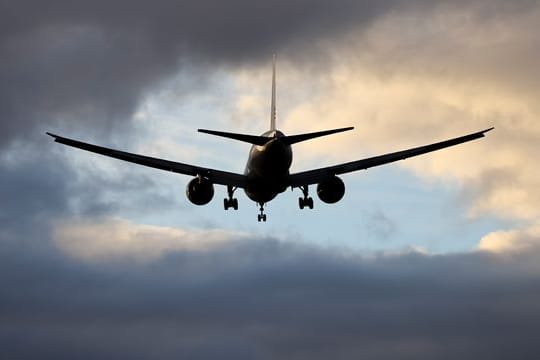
{"x": 305, "y": 201}
{"x": 230, "y": 202}
{"x": 309, "y": 202}
{"x": 262, "y": 215}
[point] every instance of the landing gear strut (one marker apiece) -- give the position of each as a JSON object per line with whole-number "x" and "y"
{"x": 306, "y": 201}
{"x": 230, "y": 202}
{"x": 262, "y": 215}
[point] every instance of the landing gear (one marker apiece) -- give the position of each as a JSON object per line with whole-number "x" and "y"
{"x": 262, "y": 215}
{"x": 306, "y": 201}
{"x": 230, "y": 202}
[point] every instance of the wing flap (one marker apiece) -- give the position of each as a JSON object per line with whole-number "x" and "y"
{"x": 216, "y": 176}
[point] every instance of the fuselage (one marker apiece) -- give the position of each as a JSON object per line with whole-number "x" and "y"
{"x": 267, "y": 168}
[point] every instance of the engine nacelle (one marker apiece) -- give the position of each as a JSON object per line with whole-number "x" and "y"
{"x": 200, "y": 191}
{"x": 331, "y": 190}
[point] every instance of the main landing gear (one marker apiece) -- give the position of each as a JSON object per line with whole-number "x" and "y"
{"x": 230, "y": 202}
{"x": 262, "y": 215}
{"x": 306, "y": 201}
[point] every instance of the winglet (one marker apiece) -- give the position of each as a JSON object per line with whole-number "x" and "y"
{"x": 52, "y": 135}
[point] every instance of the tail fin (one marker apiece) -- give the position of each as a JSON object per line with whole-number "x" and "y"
{"x": 262, "y": 140}
{"x": 273, "y": 105}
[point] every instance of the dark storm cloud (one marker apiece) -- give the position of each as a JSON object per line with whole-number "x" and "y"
{"x": 87, "y": 63}
{"x": 33, "y": 191}
{"x": 38, "y": 188}
{"x": 82, "y": 65}
{"x": 100, "y": 194}
{"x": 267, "y": 300}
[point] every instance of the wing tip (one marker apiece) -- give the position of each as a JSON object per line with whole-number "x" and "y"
{"x": 52, "y": 135}
{"x": 483, "y": 132}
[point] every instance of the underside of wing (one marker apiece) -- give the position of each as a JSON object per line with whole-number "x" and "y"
{"x": 215, "y": 176}
{"x": 322, "y": 174}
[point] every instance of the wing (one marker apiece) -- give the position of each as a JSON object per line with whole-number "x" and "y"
{"x": 215, "y": 176}
{"x": 319, "y": 175}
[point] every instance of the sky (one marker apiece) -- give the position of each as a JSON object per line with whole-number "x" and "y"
{"x": 434, "y": 257}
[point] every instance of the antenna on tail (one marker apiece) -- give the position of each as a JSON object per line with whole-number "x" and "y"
{"x": 273, "y": 105}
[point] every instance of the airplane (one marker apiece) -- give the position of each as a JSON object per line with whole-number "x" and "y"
{"x": 267, "y": 171}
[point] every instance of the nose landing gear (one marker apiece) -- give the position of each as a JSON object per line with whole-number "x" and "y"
{"x": 262, "y": 215}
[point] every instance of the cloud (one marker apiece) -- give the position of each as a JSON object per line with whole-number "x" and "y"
{"x": 401, "y": 72}
{"x": 33, "y": 191}
{"x": 266, "y": 299}
{"x": 98, "y": 240}
{"x": 81, "y": 65}
{"x": 414, "y": 77}
{"x": 85, "y": 68}
{"x": 84, "y": 65}
{"x": 512, "y": 241}
{"x": 379, "y": 226}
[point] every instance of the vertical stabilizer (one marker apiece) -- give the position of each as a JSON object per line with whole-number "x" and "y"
{"x": 273, "y": 105}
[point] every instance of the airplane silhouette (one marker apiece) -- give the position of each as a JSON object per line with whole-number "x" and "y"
{"x": 267, "y": 170}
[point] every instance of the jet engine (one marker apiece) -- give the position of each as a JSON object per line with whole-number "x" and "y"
{"x": 331, "y": 191}
{"x": 200, "y": 191}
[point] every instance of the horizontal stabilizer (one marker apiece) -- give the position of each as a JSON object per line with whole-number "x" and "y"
{"x": 262, "y": 140}
{"x": 252, "y": 139}
{"x": 293, "y": 139}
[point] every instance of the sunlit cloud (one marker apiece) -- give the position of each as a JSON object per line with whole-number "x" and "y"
{"x": 414, "y": 78}
{"x": 514, "y": 241}
{"x": 97, "y": 240}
